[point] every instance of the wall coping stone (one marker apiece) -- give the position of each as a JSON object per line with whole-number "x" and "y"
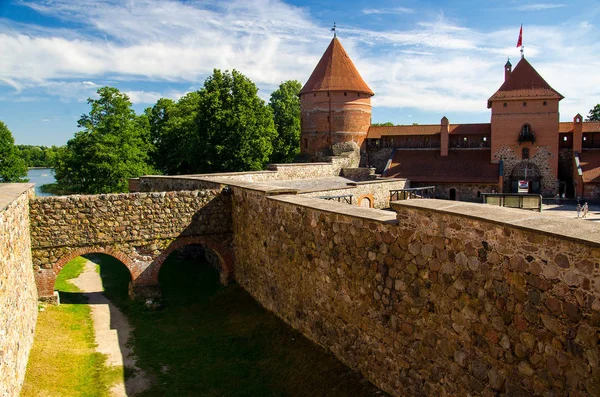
{"x": 370, "y": 214}
{"x": 376, "y": 181}
{"x": 277, "y": 165}
{"x": 10, "y": 191}
{"x": 576, "y": 230}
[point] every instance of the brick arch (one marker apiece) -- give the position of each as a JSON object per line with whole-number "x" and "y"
{"x": 221, "y": 249}
{"x": 45, "y": 281}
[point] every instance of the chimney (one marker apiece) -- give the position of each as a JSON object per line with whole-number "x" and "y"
{"x": 507, "y": 70}
{"x": 444, "y": 130}
{"x": 577, "y": 133}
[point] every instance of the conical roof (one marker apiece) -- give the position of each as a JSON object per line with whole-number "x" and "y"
{"x": 335, "y": 72}
{"x": 525, "y": 82}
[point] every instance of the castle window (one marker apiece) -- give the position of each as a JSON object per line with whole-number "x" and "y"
{"x": 524, "y": 104}
{"x": 327, "y": 118}
{"x": 358, "y": 94}
{"x": 345, "y": 94}
{"x": 505, "y": 104}
{"x": 327, "y": 93}
{"x": 545, "y": 103}
{"x": 526, "y": 135}
{"x": 525, "y": 153}
{"x": 315, "y": 94}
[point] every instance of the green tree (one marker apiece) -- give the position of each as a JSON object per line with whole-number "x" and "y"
{"x": 386, "y": 124}
{"x": 113, "y": 146}
{"x": 235, "y": 128}
{"x": 12, "y": 166}
{"x": 594, "y": 114}
{"x": 285, "y": 104}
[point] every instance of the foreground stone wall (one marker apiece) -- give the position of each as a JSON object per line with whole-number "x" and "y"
{"x": 139, "y": 229}
{"x": 18, "y": 297}
{"x": 447, "y": 302}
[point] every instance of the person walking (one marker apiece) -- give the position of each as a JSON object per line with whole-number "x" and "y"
{"x": 585, "y": 209}
{"x": 578, "y": 210}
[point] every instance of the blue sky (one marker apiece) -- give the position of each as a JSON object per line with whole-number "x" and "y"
{"x": 423, "y": 59}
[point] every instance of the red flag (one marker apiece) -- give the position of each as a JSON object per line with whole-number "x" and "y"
{"x": 520, "y": 41}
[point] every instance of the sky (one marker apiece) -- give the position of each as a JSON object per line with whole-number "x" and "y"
{"x": 423, "y": 59}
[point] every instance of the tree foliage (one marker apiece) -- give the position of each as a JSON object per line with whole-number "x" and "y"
{"x": 386, "y": 124}
{"x": 38, "y": 156}
{"x": 594, "y": 114}
{"x": 285, "y": 104}
{"x": 12, "y": 166}
{"x": 224, "y": 126}
{"x": 112, "y": 147}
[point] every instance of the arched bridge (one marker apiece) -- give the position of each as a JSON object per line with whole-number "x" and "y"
{"x": 139, "y": 229}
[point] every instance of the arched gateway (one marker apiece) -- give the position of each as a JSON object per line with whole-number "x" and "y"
{"x": 138, "y": 229}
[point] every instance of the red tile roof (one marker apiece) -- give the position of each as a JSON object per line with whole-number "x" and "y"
{"x": 376, "y": 132}
{"x": 590, "y": 165}
{"x": 460, "y": 166}
{"x": 588, "y": 126}
{"x": 566, "y": 126}
{"x": 524, "y": 82}
{"x": 335, "y": 72}
{"x": 591, "y": 126}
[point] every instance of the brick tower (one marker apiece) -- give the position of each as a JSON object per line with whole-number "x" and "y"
{"x": 524, "y": 125}
{"x": 335, "y": 104}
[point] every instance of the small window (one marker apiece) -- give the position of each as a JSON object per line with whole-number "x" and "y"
{"x": 505, "y": 104}
{"x": 577, "y": 120}
{"x": 358, "y": 94}
{"x": 525, "y": 153}
{"x": 478, "y": 194}
{"x": 345, "y": 94}
{"x": 545, "y": 103}
{"x": 315, "y": 94}
{"x": 524, "y": 104}
{"x": 327, "y": 118}
{"x": 327, "y": 93}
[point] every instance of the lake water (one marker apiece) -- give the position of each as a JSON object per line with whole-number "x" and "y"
{"x": 41, "y": 176}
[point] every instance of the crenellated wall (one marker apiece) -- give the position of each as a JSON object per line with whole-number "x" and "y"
{"x": 442, "y": 298}
{"x": 18, "y": 296}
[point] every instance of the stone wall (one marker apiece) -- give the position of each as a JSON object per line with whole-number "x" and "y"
{"x": 543, "y": 159}
{"x": 436, "y": 301}
{"x": 463, "y": 191}
{"x": 378, "y": 158}
{"x": 18, "y": 297}
{"x": 359, "y": 173}
{"x": 591, "y": 191}
{"x": 378, "y": 189}
{"x": 139, "y": 229}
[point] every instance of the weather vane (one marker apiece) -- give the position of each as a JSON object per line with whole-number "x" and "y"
{"x": 334, "y": 31}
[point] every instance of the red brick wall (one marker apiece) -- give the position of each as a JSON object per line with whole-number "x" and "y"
{"x": 332, "y": 119}
{"x": 507, "y": 123}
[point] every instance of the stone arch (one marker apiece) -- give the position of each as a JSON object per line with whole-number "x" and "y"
{"x": 366, "y": 200}
{"x": 220, "y": 249}
{"x": 45, "y": 280}
{"x": 526, "y": 170}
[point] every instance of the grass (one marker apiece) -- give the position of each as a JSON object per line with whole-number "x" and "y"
{"x": 210, "y": 340}
{"x": 63, "y": 361}
{"x": 207, "y": 340}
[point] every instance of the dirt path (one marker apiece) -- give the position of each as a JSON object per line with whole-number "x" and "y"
{"x": 112, "y": 331}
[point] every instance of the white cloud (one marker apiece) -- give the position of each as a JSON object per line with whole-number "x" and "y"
{"x": 538, "y": 7}
{"x": 395, "y": 10}
{"x": 150, "y": 97}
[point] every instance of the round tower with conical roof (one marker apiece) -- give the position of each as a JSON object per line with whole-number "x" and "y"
{"x": 335, "y": 104}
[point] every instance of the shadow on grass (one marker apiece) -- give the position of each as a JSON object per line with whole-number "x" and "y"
{"x": 210, "y": 340}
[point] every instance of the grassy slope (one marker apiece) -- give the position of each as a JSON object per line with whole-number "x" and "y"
{"x": 63, "y": 361}
{"x": 215, "y": 341}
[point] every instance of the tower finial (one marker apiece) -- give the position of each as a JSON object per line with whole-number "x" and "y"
{"x": 334, "y": 31}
